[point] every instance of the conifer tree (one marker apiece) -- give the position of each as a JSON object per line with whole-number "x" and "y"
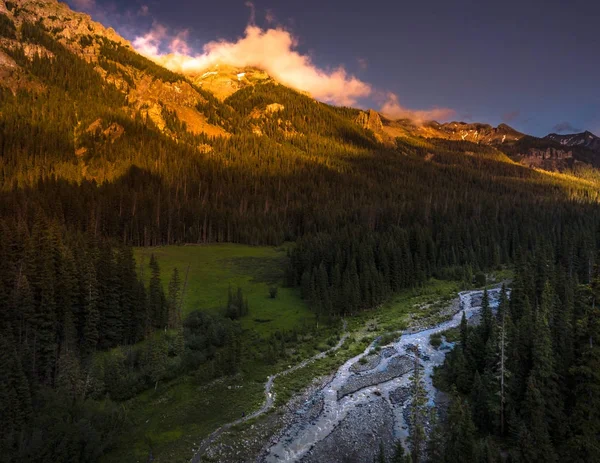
{"x": 464, "y": 333}
{"x": 435, "y": 442}
{"x": 486, "y": 317}
{"x": 460, "y": 432}
{"x": 173, "y": 300}
{"x": 156, "y": 296}
{"x": 90, "y": 308}
{"x": 418, "y": 412}
{"x": 583, "y": 442}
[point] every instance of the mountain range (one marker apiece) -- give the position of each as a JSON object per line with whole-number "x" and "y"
{"x": 208, "y": 103}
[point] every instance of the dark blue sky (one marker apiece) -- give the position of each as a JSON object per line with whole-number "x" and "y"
{"x": 533, "y": 64}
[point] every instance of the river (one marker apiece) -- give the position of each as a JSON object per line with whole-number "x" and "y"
{"x": 365, "y": 402}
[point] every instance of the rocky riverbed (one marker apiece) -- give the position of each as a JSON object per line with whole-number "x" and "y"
{"x": 363, "y": 406}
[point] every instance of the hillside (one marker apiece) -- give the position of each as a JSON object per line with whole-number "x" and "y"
{"x": 103, "y": 151}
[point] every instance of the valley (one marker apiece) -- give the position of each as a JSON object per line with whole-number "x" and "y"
{"x": 324, "y": 426}
{"x": 238, "y": 257}
{"x": 188, "y": 416}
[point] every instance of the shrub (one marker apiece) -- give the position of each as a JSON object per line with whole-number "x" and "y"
{"x": 273, "y": 292}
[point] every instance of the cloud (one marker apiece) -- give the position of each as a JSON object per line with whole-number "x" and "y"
{"x": 510, "y": 116}
{"x": 144, "y": 10}
{"x": 252, "y": 12}
{"x": 151, "y": 43}
{"x": 394, "y": 110}
{"x": 270, "y": 17}
{"x": 273, "y": 49}
{"x": 565, "y": 127}
{"x": 362, "y": 63}
{"x": 85, "y": 5}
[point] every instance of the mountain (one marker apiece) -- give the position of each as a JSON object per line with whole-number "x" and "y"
{"x": 585, "y": 139}
{"x": 223, "y": 80}
{"x": 473, "y": 132}
{"x": 220, "y": 101}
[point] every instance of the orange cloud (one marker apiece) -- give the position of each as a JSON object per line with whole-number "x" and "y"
{"x": 273, "y": 50}
{"x": 394, "y": 110}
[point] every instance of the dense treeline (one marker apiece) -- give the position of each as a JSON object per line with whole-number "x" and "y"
{"x": 73, "y": 311}
{"x": 528, "y": 397}
{"x": 62, "y": 297}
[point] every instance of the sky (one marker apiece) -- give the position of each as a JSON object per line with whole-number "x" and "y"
{"x": 532, "y": 64}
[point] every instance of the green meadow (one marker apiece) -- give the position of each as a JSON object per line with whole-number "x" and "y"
{"x": 212, "y": 269}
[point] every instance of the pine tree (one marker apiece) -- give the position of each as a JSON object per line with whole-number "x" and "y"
{"x": 501, "y": 370}
{"x": 536, "y": 444}
{"x": 543, "y": 372}
{"x": 111, "y": 315}
{"x": 69, "y": 377}
{"x": 156, "y": 296}
{"x": 460, "y": 432}
{"x": 464, "y": 332}
{"x": 381, "y": 455}
{"x": 435, "y": 443}
{"x": 90, "y": 308}
{"x": 479, "y": 402}
{"x": 486, "y": 317}
{"x": 417, "y": 412}
{"x": 584, "y": 442}
{"x": 15, "y": 395}
{"x": 127, "y": 291}
{"x": 400, "y": 455}
{"x": 173, "y": 300}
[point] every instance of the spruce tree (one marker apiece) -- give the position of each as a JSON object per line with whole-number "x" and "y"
{"x": 460, "y": 432}
{"x": 156, "y": 296}
{"x": 418, "y": 412}
{"x": 464, "y": 332}
{"x": 173, "y": 300}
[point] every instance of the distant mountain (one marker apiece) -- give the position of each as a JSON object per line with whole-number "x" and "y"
{"x": 463, "y": 131}
{"x": 585, "y": 139}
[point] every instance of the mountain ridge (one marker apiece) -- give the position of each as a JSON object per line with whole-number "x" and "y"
{"x": 223, "y": 100}
{"x": 585, "y": 139}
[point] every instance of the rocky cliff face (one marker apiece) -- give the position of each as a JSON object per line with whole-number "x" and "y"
{"x": 371, "y": 120}
{"x": 552, "y": 159}
{"x": 67, "y": 25}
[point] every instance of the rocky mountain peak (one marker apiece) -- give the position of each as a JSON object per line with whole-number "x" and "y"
{"x": 584, "y": 139}
{"x": 68, "y": 25}
{"x": 223, "y": 80}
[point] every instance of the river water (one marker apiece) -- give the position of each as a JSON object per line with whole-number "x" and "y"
{"x": 349, "y": 389}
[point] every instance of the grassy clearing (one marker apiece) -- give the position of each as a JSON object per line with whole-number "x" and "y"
{"x": 288, "y": 385}
{"x": 175, "y": 417}
{"x": 213, "y": 268}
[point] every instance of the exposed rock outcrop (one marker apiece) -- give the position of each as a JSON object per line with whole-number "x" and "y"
{"x": 552, "y": 159}
{"x": 371, "y": 120}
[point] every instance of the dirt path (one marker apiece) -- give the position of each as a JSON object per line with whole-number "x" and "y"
{"x": 269, "y": 398}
